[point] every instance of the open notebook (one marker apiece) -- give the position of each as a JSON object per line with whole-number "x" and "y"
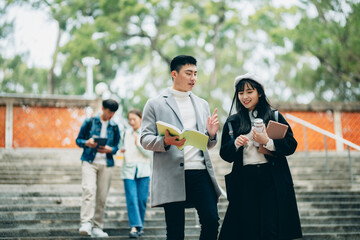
{"x": 193, "y": 137}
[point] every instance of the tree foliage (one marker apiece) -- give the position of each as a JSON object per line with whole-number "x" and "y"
{"x": 308, "y": 51}
{"x": 325, "y": 48}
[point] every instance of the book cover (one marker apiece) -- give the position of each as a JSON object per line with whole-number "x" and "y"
{"x": 193, "y": 137}
{"x": 275, "y": 130}
{"x": 100, "y": 141}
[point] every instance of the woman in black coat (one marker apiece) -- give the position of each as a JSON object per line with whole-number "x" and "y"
{"x": 262, "y": 203}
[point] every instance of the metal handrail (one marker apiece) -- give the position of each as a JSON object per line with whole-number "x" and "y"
{"x": 326, "y": 134}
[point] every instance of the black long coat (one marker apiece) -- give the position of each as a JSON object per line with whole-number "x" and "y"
{"x": 289, "y": 222}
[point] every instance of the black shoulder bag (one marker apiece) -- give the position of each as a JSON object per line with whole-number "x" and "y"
{"x": 229, "y": 175}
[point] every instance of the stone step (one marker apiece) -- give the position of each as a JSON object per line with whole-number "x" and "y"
{"x": 307, "y": 220}
{"x": 73, "y": 232}
{"x": 65, "y": 176}
{"x": 160, "y": 230}
{"x": 332, "y": 236}
{"x": 74, "y": 223}
{"x": 330, "y": 205}
{"x": 217, "y": 163}
{"x": 66, "y": 201}
{"x": 321, "y": 228}
{"x": 307, "y": 236}
{"x": 118, "y": 198}
{"x": 333, "y": 162}
{"x": 64, "y": 191}
{"x": 111, "y": 213}
{"x": 328, "y": 198}
{"x": 318, "y": 183}
{"x": 157, "y": 237}
{"x": 69, "y": 154}
{"x": 75, "y": 206}
{"x": 304, "y": 212}
{"x": 40, "y": 196}
{"x": 306, "y": 171}
{"x": 123, "y": 222}
{"x": 324, "y": 187}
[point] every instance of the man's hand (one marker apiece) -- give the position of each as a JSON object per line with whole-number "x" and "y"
{"x": 212, "y": 124}
{"x": 170, "y": 140}
{"x": 90, "y": 143}
{"x": 104, "y": 149}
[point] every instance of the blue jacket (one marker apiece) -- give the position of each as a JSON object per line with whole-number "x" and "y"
{"x": 92, "y": 126}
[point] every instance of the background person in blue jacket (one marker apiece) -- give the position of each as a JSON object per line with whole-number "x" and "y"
{"x": 96, "y": 167}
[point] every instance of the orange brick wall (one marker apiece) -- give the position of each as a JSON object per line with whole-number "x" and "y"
{"x": 2, "y": 126}
{"x": 350, "y": 123}
{"x": 324, "y": 120}
{"x": 46, "y": 127}
{"x": 51, "y": 127}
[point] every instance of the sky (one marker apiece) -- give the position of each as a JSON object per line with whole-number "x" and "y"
{"x": 34, "y": 33}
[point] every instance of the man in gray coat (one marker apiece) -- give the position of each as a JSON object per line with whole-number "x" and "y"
{"x": 186, "y": 178}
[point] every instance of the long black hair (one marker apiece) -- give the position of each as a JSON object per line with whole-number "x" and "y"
{"x": 262, "y": 108}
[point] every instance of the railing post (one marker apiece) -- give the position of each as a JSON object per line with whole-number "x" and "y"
{"x": 350, "y": 166}
{"x": 326, "y": 155}
{"x": 305, "y": 144}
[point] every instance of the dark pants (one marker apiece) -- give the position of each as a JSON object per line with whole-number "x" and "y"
{"x": 200, "y": 193}
{"x": 254, "y": 216}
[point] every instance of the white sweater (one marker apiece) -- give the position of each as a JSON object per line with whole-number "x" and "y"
{"x": 192, "y": 156}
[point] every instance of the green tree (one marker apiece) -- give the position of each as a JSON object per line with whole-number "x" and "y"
{"x": 19, "y": 78}
{"x": 324, "y": 48}
{"x": 317, "y": 53}
{"x": 143, "y": 36}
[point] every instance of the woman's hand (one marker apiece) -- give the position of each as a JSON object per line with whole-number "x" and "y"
{"x": 135, "y": 138}
{"x": 241, "y": 141}
{"x": 261, "y": 138}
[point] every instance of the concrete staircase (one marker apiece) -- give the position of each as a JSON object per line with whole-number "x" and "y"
{"x": 40, "y": 197}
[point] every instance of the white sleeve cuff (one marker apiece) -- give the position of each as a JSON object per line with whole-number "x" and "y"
{"x": 270, "y": 145}
{"x": 237, "y": 146}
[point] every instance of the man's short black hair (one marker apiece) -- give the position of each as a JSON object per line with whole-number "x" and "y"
{"x": 110, "y": 104}
{"x": 180, "y": 61}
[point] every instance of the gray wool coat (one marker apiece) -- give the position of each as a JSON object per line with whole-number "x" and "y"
{"x": 168, "y": 175}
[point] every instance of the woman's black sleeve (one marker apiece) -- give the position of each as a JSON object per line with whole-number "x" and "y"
{"x": 288, "y": 144}
{"x": 228, "y": 151}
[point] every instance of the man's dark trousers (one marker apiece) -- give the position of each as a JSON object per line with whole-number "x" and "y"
{"x": 200, "y": 194}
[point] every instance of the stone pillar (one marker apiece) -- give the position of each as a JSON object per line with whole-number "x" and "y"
{"x": 9, "y": 125}
{"x": 338, "y": 130}
{"x": 89, "y": 63}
